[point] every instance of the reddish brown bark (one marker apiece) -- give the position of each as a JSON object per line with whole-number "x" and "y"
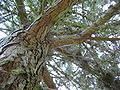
{"x": 48, "y": 79}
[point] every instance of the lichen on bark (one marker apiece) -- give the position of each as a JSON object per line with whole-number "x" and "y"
{"x": 22, "y": 65}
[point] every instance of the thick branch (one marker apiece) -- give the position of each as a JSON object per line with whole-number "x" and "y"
{"x": 32, "y": 53}
{"x": 40, "y": 27}
{"x": 85, "y": 36}
{"x": 78, "y": 40}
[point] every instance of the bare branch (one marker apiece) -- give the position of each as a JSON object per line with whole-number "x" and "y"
{"x": 22, "y": 12}
{"x": 104, "y": 39}
{"x": 48, "y": 79}
{"x": 78, "y": 40}
{"x": 111, "y": 12}
{"x": 90, "y": 30}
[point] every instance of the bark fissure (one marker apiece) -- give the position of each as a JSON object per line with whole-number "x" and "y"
{"x": 30, "y": 59}
{"x": 30, "y": 52}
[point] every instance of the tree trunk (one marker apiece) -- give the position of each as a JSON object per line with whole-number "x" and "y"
{"x": 23, "y": 54}
{"x": 21, "y": 64}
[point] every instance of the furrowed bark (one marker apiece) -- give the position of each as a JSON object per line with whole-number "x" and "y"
{"x": 23, "y": 54}
{"x": 24, "y": 21}
{"x": 23, "y": 66}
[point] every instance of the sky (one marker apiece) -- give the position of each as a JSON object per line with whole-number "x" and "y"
{"x": 2, "y": 34}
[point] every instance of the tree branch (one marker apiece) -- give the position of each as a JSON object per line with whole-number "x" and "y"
{"x": 22, "y": 12}
{"x": 104, "y": 39}
{"x": 107, "y": 78}
{"x": 48, "y": 79}
{"x": 79, "y": 61}
{"x": 90, "y": 30}
{"x": 78, "y": 40}
{"x": 39, "y": 28}
{"x": 111, "y": 12}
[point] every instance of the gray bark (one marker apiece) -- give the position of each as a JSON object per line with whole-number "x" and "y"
{"x": 21, "y": 63}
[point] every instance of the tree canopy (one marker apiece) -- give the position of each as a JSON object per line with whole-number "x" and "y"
{"x": 60, "y": 43}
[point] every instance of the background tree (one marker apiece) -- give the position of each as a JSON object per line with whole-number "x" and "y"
{"x": 55, "y": 43}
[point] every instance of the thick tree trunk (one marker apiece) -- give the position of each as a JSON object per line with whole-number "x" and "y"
{"x": 23, "y": 54}
{"x": 21, "y": 65}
